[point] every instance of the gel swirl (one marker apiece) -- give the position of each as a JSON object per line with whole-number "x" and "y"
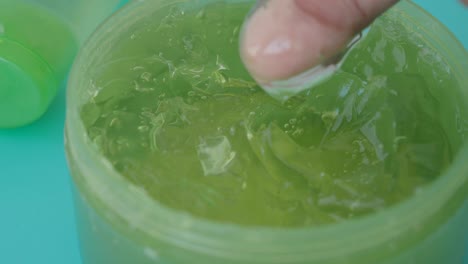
{"x": 177, "y": 114}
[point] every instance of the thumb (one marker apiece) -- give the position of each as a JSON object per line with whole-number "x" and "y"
{"x": 283, "y": 38}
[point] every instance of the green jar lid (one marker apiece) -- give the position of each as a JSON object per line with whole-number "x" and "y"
{"x": 27, "y": 85}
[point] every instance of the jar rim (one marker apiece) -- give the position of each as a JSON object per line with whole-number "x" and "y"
{"x": 141, "y": 216}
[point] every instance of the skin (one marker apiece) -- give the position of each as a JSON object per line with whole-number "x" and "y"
{"x": 283, "y": 38}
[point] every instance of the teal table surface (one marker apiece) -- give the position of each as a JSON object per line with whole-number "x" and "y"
{"x": 36, "y": 210}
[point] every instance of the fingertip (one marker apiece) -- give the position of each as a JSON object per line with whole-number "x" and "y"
{"x": 266, "y": 42}
{"x": 285, "y": 38}
{"x": 279, "y": 41}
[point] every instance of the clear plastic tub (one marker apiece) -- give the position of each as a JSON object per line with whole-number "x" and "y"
{"x": 38, "y": 42}
{"x": 120, "y": 223}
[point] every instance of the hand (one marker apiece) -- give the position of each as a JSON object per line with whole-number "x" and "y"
{"x": 283, "y": 38}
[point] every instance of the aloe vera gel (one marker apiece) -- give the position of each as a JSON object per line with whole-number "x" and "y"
{"x": 173, "y": 112}
{"x": 362, "y": 141}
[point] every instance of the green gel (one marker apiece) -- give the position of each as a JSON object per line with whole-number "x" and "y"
{"x": 177, "y": 114}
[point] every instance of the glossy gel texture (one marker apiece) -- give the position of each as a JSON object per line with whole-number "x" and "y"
{"x": 177, "y": 114}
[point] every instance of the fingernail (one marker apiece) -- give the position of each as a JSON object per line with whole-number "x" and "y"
{"x": 282, "y": 90}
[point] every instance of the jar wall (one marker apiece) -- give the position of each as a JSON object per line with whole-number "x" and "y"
{"x": 102, "y": 243}
{"x": 107, "y": 236}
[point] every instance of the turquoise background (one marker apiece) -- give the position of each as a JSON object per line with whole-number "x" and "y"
{"x": 36, "y": 210}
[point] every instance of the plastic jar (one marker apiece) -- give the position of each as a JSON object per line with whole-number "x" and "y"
{"x": 38, "y": 42}
{"x": 119, "y": 223}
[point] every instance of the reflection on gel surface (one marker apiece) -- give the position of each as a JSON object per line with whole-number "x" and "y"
{"x": 176, "y": 113}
